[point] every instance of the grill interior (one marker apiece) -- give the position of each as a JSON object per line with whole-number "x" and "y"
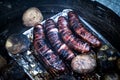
{"x": 101, "y": 18}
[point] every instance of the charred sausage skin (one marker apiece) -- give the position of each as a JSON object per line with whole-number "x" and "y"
{"x": 53, "y": 36}
{"x": 48, "y": 56}
{"x": 79, "y": 29}
{"x": 69, "y": 38}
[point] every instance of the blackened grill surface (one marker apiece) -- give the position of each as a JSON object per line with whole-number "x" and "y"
{"x": 101, "y": 18}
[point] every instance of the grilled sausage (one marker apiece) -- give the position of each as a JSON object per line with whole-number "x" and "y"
{"x": 52, "y": 34}
{"x": 48, "y": 56}
{"x": 77, "y": 26}
{"x": 69, "y": 38}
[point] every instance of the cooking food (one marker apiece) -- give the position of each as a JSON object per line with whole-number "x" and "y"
{"x": 69, "y": 38}
{"x": 32, "y": 16}
{"x": 111, "y": 76}
{"x": 61, "y": 51}
{"x": 12, "y": 71}
{"x": 52, "y": 34}
{"x": 17, "y": 43}
{"x": 118, "y": 63}
{"x": 65, "y": 77}
{"x": 48, "y": 56}
{"x": 83, "y": 64}
{"x": 3, "y": 62}
{"x": 78, "y": 27}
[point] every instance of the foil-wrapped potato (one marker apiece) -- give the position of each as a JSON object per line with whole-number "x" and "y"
{"x": 32, "y": 16}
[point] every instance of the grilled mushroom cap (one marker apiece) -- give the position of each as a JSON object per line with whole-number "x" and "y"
{"x": 17, "y": 43}
{"x": 32, "y": 16}
{"x": 83, "y": 64}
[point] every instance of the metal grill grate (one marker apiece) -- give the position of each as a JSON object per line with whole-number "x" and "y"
{"x": 112, "y": 4}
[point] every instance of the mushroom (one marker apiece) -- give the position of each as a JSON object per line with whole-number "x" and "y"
{"x": 32, "y": 16}
{"x": 17, "y": 43}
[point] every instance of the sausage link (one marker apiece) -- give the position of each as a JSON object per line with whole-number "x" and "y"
{"x": 69, "y": 38}
{"x": 53, "y": 36}
{"x": 48, "y": 56}
{"x": 79, "y": 29}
